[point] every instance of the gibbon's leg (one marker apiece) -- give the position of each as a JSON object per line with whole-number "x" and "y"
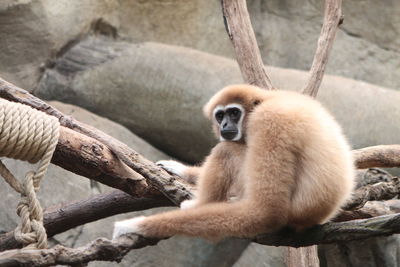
{"x": 213, "y": 221}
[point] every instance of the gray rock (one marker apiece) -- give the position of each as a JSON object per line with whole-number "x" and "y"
{"x": 373, "y": 252}
{"x": 32, "y": 32}
{"x": 286, "y": 31}
{"x": 157, "y": 91}
{"x": 262, "y": 256}
{"x": 366, "y": 47}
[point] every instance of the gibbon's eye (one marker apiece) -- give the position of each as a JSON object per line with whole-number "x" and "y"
{"x": 235, "y": 113}
{"x": 219, "y": 116}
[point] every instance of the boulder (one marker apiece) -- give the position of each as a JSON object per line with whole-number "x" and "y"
{"x": 373, "y": 252}
{"x": 158, "y": 90}
{"x": 34, "y": 31}
{"x": 286, "y": 31}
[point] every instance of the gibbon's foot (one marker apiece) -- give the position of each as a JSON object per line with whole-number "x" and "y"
{"x": 128, "y": 226}
{"x": 172, "y": 166}
{"x": 188, "y": 204}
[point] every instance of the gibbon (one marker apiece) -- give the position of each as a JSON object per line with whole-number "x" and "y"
{"x": 286, "y": 156}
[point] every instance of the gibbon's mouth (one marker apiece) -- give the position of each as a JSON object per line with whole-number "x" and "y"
{"x": 229, "y": 134}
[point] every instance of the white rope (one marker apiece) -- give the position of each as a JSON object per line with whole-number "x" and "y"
{"x": 30, "y": 135}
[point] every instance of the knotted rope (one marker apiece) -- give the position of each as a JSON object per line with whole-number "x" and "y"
{"x": 30, "y": 135}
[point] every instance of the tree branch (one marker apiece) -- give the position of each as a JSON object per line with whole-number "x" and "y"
{"x": 332, "y": 19}
{"x": 383, "y": 156}
{"x": 379, "y": 191}
{"x": 171, "y": 186}
{"x": 335, "y": 232}
{"x": 90, "y": 158}
{"x": 370, "y": 210}
{"x": 238, "y": 25}
{"x": 99, "y": 249}
{"x": 60, "y": 218}
{"x": 106, "y": 250}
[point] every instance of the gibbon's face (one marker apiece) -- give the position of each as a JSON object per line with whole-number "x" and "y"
{"x": 229, "y": 119}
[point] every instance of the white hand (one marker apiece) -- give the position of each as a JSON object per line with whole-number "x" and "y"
{"x": 128, "y": 226}
{"x": 172, "y": 166}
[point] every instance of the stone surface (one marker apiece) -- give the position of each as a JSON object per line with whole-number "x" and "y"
{"x": 367, "y": 45}
{"x": 373, "y": 252}
{"x": 260, "y": 255}
{"x": 157, "y": 91}
{"x": 34, "y": 31}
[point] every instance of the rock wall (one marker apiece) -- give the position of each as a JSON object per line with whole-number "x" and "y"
{"x": 367, "y": 45}
{"x": 165, "y": 87}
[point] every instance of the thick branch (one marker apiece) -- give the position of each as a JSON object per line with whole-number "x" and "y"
{"x": 99, "y": 249}
{"x": 171, "y": 186}
{"x": 61, "y": 218}
{"x": 383, "y": 156}
{"x": 103, "y": 249}
{"x": 370, "y": 210}
{"x": 333, "y": 17}
{"x": 88, "y": 157}
{"x": 379, "y": 191}
{"x": 64, "y": 217}
{"x": 238, "y": 25}
{"x": 335, "y": 232}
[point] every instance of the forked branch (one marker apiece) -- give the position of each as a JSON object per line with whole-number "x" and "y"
{"x": 238, "y": 25}
{"x": 333, "y": 18}
{"x": 153, "y": 174}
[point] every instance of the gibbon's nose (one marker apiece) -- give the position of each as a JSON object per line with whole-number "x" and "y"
{"x": 229, "y": 134}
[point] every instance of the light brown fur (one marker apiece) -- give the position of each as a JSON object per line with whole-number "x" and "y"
{"x": 292, "y": 167}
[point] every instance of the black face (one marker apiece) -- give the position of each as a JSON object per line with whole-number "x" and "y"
{"x": 228, "y": 120}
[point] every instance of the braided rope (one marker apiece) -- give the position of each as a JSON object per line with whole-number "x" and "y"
{"x": 30, "y": 135}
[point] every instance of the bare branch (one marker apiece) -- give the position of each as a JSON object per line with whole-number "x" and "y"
{"x": 379, "y": 191}
{"x": 335, "y": 232}
{"x": 171, "y": 186}
{"x": 61, "y": 218}
{"x": 238, "y": 25}
{"x": 370, "y": 210}
{"x": 383, "y": 156}
{"x": 99, "y": 249}
{"x": 106, "y": 250}
{"x": 332, "y": 19}
{"x": 64, "y": 217}
{"x": 90, "y": 158}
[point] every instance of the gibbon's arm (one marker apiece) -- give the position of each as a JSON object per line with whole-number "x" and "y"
{"x": 213, "y": 182}
{"x": 188, "y": 173}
